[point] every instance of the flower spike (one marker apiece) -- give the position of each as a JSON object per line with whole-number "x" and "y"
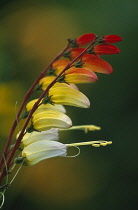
{"x": 43, "y": 118}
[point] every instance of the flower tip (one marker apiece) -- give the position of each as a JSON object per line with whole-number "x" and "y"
{"x": 85, "y": 39}
{"x": 111, "y": 39}
{"x": 106, "y": 49}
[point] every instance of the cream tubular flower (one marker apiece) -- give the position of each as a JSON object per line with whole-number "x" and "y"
{"x": 33, "y": 137}
{"x": 41, "y": 150}
{"x": 50, "y": 119}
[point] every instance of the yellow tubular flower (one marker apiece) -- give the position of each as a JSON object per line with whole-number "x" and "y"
{"x": 50, "y": 119}
{"x": 45, "y": 107}
{"x": 68, "y": 96}
{"x": 45, "y": 81}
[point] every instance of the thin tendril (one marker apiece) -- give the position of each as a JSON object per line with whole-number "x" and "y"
{"x": 16, "y": 173}
{"x": 76, "y": 154}
{"x": 3, "y": 199}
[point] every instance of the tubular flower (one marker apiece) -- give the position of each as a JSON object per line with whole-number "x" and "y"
{"x": 91, "y": 62}
{"x": 42, "y": 150}
{"x": 85, "y": 39}
{"x": 82, "y": 40}
{"x": 50, "y": 119}
{"x": 62, "y": 93}
{"x": 35, "y": 136}
{"x": 106, "y": 49}
{"x": 45, "y": 107}
{"x": 45, "y": 81}
{"x": 73, "y": 74}
{"x": 111, "y": 39}
{"x": 80, "y": 75}
{"x": 68, "y": 96}
{"x": 59, "y": 65}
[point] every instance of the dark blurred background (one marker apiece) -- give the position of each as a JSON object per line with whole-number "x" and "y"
{"x": 31, "y": 34}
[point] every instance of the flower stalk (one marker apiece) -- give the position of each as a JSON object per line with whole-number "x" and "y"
{"x": 38, "y": 141}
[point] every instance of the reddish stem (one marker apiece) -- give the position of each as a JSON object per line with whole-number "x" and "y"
{"x": 28, "y": 94}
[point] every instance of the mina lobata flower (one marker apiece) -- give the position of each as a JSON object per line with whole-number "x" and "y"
{"x": 45, "y": 120}
{"x": 91, "y": 62}
{"x": 111, "y": 39}
{"x": 106, "y": 49}
{"x": 42, "y": 150}
{"x": 29, "y": 138}
{"x": 66, "y": 95}
{"x": 82, "y": 40}
{"x": 80, "y": 75}
{"x": 45, "y": 107}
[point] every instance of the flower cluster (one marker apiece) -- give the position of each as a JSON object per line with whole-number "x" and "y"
{"x": 77, "y": 65}
{"x": 44, "y": 117}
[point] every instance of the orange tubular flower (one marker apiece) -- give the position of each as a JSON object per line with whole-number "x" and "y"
{"x": 96, "y": 64}
{"x": 92, "y": 62}
{"x": 59, "y": 65}
{"x": 111, "y": 39}
{"x": 80, "y": 75}
{"x": 105, "y": 49}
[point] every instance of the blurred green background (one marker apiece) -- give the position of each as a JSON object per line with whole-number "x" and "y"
{"x": 31, "y": 34}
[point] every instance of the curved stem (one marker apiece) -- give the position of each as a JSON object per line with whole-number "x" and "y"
{"x": 28, "y": 94}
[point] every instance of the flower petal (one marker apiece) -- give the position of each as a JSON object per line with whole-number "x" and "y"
{"x": 42, "y": 150}
{"x": 96, "y": 64}
{"x": 85, "y": 39}
{"x": 45, "y": 81}
{"x": 50, "y": 119}
{"x": 75, "y": 52}
{"x": 33, "y": 137}
{"x": 59, "y": 65}
{"x": 79, "y": 75}
{"x": 111, "y": 39}
{"x": 105, "y": 49}
{"x": 45, "y": 107}
{"x": 68, "y": 96}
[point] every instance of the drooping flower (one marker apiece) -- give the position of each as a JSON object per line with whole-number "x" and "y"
{"x": 89, "y": 61}
{"x": 42, "y": 150}
{"x": 105, "y": 49}
{"x": 111, "y": 39}
{"x": 35, "y": 136}
{"x": 80, "y": 75}
{"x": 62, "y": 93}
{"x": 82, "y": 40}
{"x": 45, "y": 120}
{"x": 73, "y": 74}
{"x": 85, "y": 39}
{"x": 45, "y": 107}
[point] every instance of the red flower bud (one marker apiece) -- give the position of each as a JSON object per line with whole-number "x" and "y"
{"x": 111, "y": 39}
{"x": 105, "y": 49}
{"x": 85, "y": 39}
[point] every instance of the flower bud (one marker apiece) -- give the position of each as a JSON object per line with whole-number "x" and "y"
{"x": 111, "y": 39}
